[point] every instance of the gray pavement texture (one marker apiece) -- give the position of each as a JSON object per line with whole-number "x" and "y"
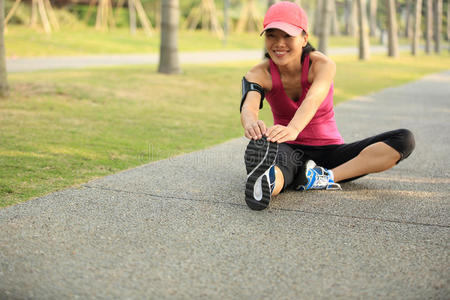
{"x": 14, "y": 65}
{"x": 180, "y": 228}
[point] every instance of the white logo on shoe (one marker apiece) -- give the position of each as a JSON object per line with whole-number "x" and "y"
{"x": 257, "y": 188}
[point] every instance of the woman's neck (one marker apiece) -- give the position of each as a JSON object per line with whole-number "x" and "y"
{"x": 291, "y": 69}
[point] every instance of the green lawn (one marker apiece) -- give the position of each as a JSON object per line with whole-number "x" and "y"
{"x": 62, "y": 128}
{"x": 22, "y": 41}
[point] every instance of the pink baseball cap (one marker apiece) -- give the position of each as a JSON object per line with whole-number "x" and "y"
{"x": 286, "y": 16}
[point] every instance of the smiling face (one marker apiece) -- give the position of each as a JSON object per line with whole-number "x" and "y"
{"x": 283, "y": 48}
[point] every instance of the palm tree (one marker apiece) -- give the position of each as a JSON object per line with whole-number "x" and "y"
{"x": 392, "y": 29}
{"x": 335, "y": 31}
{"x": 132, "y": 16}
{"x": 438, "y": 26}
{"x": 4, "y": 89}
{"x": 364, "y": 50}
{"x": 429, "y": 26}
{"x": 408, "y": 19}
{"x": 226, "y": 19}
{"x": 416, "y": 31}
{"x": 373, "y": 17}
{"x": 168, "y": 54}
{"x": 317, "y": 17}
{"x": 350, "y": 17}
{"x": 325, "y": 26}
{"x": 448, "y": 22}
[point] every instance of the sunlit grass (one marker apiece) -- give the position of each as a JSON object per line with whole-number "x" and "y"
{"x": 61, "y": 128}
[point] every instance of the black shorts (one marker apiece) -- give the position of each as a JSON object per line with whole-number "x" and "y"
{"x": 291, "y": 157}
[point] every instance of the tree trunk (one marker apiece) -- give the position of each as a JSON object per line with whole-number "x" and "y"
{"x": 157, "y": 9}
{"x": 373, "y": 17}
{"x": 429, "y": 26}
{"x": 168, "y": 56}
{"x": 132, "y": 12}
{"x": 416, "y": 30}
{"x": 353, "y": 19}
{"x": 408, "y": 19}
{"x": 318, "y": 17}
{"x": 34, "y": 12}
{"x": 364, "y": 48}
{"x": 226, "y": 19}
{"x": 438, "y": 26}
{"x": 4, "y": 88}
{"x": 325, "y": 26}
{"x": 448, "y": 22}
{"x": 392, "y": 29}
{"x": 335, "y": 30}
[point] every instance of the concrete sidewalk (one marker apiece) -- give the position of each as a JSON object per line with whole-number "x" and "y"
{"x": 180, "y": 229}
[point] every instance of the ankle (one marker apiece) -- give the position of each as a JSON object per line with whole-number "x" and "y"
{"x": 279, "y": 182}
{"x": 331, "y": 175}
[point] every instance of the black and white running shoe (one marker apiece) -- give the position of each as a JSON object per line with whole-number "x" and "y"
{"x": 260, "y": 163}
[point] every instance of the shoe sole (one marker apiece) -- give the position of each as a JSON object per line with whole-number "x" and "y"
{"x": 259, "y": 157}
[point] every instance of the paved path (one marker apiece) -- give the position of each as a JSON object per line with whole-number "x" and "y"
{"x": 74, "y": 62}
{"x": 180, "y": 229}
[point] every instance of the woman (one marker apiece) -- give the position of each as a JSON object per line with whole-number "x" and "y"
{"x": 304, "y": 149}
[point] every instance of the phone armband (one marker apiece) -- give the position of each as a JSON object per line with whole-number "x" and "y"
{"x": 248, "y": 86}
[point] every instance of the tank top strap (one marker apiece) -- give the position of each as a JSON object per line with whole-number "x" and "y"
{"x": 276, "y": 78}
{"x": 305, "y": 70}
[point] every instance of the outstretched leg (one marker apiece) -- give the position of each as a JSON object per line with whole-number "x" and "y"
{"x": 351, "y": 161}
{"x": 374, "y": 158}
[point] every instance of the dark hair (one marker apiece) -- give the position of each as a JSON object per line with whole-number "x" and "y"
{"x": 307, "y": 49}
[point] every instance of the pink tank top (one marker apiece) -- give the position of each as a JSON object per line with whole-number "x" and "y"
{"x": 322, "y": 129}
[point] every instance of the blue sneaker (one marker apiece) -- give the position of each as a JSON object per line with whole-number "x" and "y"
{"x": 317, "y": 178}
{"x": 260, "y": 163}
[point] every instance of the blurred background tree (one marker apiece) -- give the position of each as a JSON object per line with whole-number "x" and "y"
{"x": 4, "y": 89}
{"x": 168, "y": 59}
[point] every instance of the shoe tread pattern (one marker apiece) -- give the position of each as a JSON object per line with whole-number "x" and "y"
{"x": 255, "y": 157}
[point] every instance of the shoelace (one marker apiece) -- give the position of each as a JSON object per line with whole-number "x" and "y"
{"x": 321, "y": 180}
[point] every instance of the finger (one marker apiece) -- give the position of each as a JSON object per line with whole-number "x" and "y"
{"x": 257, "y": 130}
{"x": 262, "y": 126}
{"x": 278, "y": 136}
{"x": 251, "y": 132}
{"x": 274, "y": 132}
{"x": 247, "y": 134}
{"x": 284, "y": 139}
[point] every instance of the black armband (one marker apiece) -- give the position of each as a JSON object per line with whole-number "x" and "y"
{"x": 248, "y": 86}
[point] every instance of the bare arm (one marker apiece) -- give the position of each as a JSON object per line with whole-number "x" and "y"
{"x": 324, "y": 74}
{"x": 253, "y": 127}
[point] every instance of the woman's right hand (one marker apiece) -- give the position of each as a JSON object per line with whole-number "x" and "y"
{"x": 255, "y": 130}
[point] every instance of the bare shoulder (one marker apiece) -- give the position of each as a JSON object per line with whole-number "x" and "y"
{"x": 260, "y": 74}
{"x": 320, "y": 59}
{"x": 322, "y": 64}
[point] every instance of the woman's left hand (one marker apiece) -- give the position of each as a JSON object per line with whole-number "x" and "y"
{"x": 281, "y": 134}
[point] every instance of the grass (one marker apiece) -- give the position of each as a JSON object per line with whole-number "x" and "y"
{"x": 22, "y": 41}
{"x": 62, "y": 128}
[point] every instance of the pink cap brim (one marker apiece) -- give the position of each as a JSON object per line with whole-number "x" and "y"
{"x": 286, "y": 27}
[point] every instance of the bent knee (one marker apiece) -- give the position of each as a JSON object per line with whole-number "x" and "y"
{"x": 405, "y": 142}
